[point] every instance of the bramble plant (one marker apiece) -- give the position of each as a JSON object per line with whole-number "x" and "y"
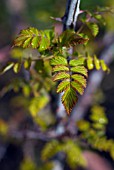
{"x": 69, "y": 69}
{"x": 60, "y": 62}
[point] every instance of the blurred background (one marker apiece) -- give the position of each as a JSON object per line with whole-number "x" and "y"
{"x": 20, "y": 139}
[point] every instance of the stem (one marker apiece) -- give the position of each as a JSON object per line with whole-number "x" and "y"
{"x": 71, "y": 14}
{"x": 36, "y": 59}
{"x": 69, "y": 21}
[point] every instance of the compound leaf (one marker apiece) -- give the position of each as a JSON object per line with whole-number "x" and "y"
{"x": 25, "y": 38}
{"x": 33, "y": 38}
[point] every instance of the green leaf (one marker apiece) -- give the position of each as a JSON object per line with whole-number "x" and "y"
{"x": 37, "y": 103}
{"x": 34, "y": 38}
{"x": 76, "y": 62}
{"x": 79, "y": 78}
{"x": 60, "y": 68}
{"x": 97, "y": 62}
{"x": 44, "y": 43}
{"x": 70, "y": 38}
{"x": 98, "y": 126}
{"x": 49, "y": 150}
{"x": 35, "y": 41}
{"x": 79, "y": 69}
{"x": 27, "y": 63}
{"x": 78, "y": 40}
{"x": 62, "y": 86}
{"x": 77, "y": 86}
{"x": 72, "y": 75}
{"x": 61, "y": 75}
{"x": 17, "y": 67}
{"x": 103, "y": 65}
{"x": 69, "y": 99}
{"x": 65, "y": 37}
{"x": 18, "y": 42}
{"x": 25, "y": 38}
{"x": 98, "y": 16}
{"x": 94, "y": 28}
{"x": 26, "y": 43}
{"x": 58, "y": 61}
{"x": 85, "y": 37}
{"x": 90, "y": 64}
{"x": 50, "y": 34}
{"x": 98, "y": 115}
{"x": 83, "y": 125}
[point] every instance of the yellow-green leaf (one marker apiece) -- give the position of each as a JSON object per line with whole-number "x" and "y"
{"x": 97, "y": 62}
{"x": 77, "y": 86}
{"x": 17, "y": 67}
{"x": 90, "y": 64}
{"x": 79, "y": 69}
{"x": 58, "y": 61}
{"x": 35, "y": 42}
{"x": 60, "y": 68}
{"x": 76, "y": 62}
{"x": 69, "y": 99}
{"x": 62, "y": 86}
{"x": 44, "y": 43}
{"x": 27, "y": 64}
{"x": 26, "y": 43}
{"x": 103, "y": 65}
{"x": 83, "y": 125}
{"x": 94, "y": 28}
{"x": 28, "y": 38}
{"x": 79, "y": 78}
{"x": 61, "y": 75}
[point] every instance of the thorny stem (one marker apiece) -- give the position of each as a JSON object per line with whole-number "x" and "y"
{"x": 69, "y": 22}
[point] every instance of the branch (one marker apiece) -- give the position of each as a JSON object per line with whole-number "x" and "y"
{"x": 71, "y": 14}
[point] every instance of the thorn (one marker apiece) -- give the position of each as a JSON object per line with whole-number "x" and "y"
{"x": 81, "y": 11}
{"x": 56, "y": 19}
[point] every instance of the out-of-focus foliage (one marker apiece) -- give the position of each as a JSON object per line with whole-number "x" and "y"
{"x": 68, "y": 147}
{"x": 30, "y": 165}
{"x": 93, "y": 131}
